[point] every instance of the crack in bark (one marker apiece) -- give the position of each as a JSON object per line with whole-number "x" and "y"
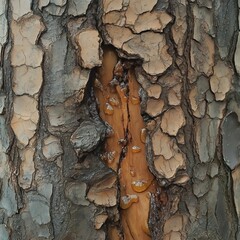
{"x": 122, "y": 87}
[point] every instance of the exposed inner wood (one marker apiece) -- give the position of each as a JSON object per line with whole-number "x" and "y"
{"x": 117, "y": 92}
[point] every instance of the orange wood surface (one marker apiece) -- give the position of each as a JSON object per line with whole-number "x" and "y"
{"x": 120, "y": 107}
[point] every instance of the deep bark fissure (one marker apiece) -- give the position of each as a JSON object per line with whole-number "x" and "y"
{"x": 59, "y": 178}
{"x": 115, "y": 93}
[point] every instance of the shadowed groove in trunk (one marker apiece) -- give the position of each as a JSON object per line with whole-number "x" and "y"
{"x": 117, "y": 94}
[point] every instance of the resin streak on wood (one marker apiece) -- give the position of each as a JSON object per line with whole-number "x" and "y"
{"x": 127, "y": 142}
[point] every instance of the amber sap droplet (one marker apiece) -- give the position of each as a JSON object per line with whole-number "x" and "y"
{"x": 108, "y": 109}
{"x": 143, "y": 135}
{"x": 113, "y": 101}
{"x": 140, "y": 185}
{"x": 127, "y": 200}
{"x": 136, "y": 149}
{"x": 135, "y": 100}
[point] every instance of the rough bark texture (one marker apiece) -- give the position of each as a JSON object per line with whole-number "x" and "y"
{"x": 119, "y": 119}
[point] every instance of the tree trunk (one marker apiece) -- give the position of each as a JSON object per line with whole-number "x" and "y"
{"x": 119, "y": 120}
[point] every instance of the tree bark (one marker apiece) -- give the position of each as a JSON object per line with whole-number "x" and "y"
{"x": 119, "y": 120}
